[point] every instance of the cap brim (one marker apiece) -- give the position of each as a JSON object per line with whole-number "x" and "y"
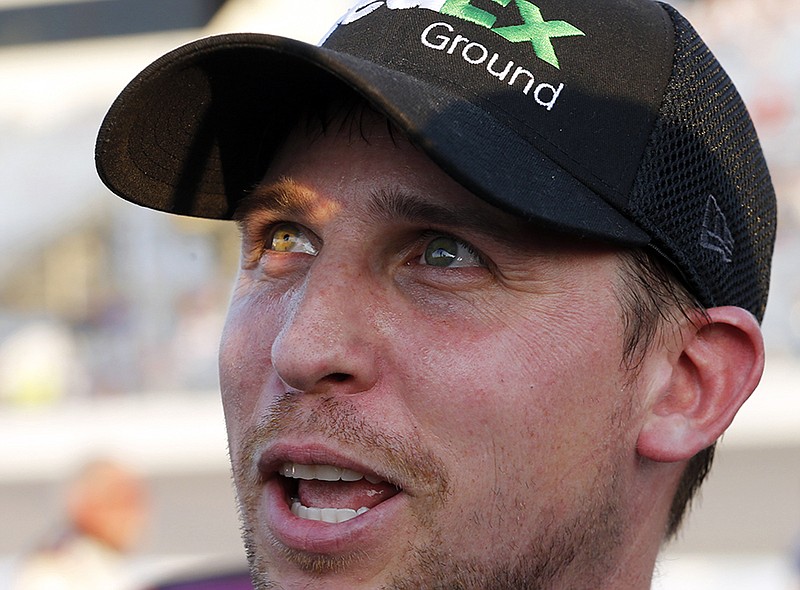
{"x": 190, "y": 132}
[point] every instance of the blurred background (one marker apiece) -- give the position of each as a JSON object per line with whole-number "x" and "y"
{"x": 110, "y": 314}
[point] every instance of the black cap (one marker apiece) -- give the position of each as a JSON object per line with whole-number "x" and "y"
{"x": 603, "y": 119}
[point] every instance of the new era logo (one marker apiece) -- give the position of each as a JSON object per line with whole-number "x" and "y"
{"x": 716, "y": 236}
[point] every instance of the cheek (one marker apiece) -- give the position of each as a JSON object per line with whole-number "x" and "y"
{"x": 523, "y": 423}
{"x": 541, "y": 383}
{"x": 244, "y": 358}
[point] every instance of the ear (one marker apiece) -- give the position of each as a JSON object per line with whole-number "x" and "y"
{"x": 715, "y": 368}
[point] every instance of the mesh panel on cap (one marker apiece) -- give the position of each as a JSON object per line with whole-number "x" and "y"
{"x": 703, "y": 190}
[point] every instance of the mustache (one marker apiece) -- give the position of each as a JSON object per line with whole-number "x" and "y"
{"x": 402, "y": 457}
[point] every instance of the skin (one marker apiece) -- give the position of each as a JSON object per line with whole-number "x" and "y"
{"x": 491, "y": 392}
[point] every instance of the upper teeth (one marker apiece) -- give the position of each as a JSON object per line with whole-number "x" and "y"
{"x": 323, "y": 473}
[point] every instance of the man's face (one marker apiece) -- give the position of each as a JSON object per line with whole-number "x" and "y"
{"x": 387, "y": 323}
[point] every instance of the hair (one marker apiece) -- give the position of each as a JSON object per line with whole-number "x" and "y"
{"x": 652, "y": 298}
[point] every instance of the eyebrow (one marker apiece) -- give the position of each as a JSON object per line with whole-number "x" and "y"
{"x": 281, "y": 198}
{"x": 286, "y": 198}
{"x": 399, "y": 205}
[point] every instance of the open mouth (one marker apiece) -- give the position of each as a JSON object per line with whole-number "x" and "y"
{"x": 331, "y": 494}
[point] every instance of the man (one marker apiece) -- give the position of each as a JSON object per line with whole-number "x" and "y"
{"x": 502, "y": 270}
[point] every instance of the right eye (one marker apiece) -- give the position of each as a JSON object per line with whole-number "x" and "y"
{"x": 447, "y": 252}
{"x": 288, "y": 237}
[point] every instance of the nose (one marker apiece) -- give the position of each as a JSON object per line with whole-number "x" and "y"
{"x": 326, "y": 342}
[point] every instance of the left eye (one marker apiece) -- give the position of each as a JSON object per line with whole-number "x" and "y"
{"x": 288, "y": 237}
{"x": 447, "y": 252}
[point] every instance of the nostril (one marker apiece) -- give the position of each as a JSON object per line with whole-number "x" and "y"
{"x": 339, "y": 377}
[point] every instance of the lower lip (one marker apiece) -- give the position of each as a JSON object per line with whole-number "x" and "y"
{"x": 365, "y": 531}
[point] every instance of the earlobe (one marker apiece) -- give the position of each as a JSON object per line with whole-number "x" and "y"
{"x": 716, "y": 367}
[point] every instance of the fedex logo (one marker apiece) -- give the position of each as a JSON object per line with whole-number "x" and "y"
{"x": 533, "y": 29}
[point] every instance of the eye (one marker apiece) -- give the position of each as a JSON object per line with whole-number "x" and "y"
{"x": 447, "y": 252}
{"x": 288, "y": 237}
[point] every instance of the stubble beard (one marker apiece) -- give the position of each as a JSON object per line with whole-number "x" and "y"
{"x": 577, "y": 554}
{"x": 578, "y": 547}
